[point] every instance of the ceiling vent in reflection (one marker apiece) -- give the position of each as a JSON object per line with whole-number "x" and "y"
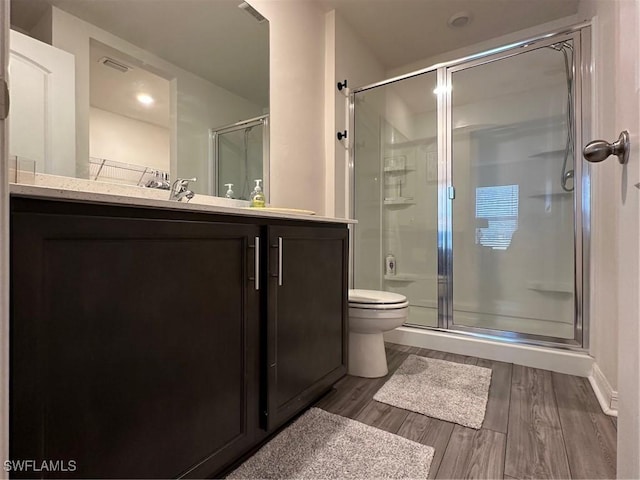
{"x": 252, "y": 11}
{"x": 110, "y": 62}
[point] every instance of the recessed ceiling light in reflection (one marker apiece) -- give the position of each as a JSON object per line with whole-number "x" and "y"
{"x": 145, "y": 99}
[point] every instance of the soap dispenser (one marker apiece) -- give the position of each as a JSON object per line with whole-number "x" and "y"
{"x": 229, "y": 193}
{"x": 257, "y": 197}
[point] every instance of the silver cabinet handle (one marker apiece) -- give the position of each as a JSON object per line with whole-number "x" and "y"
{"x": 279, "y": 261}
{"x": 257, "y": 264}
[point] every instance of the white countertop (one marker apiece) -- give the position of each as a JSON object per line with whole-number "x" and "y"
{"x": 63, "y": 188}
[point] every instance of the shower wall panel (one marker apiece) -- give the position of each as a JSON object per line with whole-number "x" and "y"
{"x": 396, "y": 188}
{"x": 367, "y": 191}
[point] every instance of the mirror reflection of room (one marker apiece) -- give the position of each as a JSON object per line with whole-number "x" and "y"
{"x": 129, "y": 129}
{"x": 239, "y": 157}
{"x": 133, "y": 102}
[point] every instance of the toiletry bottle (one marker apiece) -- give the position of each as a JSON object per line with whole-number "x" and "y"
{"x": 257, "y": 197}
{"x": 390, "y": 264}
{"x": 229, "y": 193}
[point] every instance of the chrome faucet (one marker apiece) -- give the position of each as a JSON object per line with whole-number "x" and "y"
{"x": 179, "y": 189}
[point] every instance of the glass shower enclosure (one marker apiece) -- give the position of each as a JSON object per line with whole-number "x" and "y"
{"x": 467, "y": 181}
{"x": 239, "y": 154}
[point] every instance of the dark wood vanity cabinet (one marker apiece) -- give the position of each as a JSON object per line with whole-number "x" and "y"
{"x": 139, "y": 342}
{"x": 307, "y": 307}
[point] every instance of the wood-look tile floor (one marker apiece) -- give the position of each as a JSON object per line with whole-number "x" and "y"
{"x": 538, "y": 424}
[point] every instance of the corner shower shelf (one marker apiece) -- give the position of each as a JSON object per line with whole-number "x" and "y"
{"x": 399, "y": 201}
{"x": 423, "y": 303}
{"x": 398, "y": 169}
{"x": 561, "y": 194}
{"x": 432, "y": 140}
{"x": 551, "y": 287}
{"x": 548, "y": 153}
{"x": 405, "y": 277}
{"x": 411, "y": 143}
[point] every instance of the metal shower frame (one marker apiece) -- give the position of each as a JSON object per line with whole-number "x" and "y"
{"x": 581, "y": 36}
{"x": 214, "y": 155}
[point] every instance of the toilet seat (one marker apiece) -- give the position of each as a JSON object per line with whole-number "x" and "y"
{"x": 376, "y": 300}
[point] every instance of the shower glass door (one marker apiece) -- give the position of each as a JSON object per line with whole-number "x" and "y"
{"x": 396, "y": 193}
{"x": 239, "y": 157}
{"x": 512, "y": 155}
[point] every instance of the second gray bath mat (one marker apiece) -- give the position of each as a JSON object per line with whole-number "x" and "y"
{"x": 450, "y": 391}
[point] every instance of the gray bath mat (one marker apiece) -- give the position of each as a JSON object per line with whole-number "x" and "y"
{"x": 454, "y": 392}
{"x": 323, "y": 445}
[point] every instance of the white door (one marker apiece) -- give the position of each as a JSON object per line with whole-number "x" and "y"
{"x": 627, "y": 102}
{"x": 42, "y": 121}
{"x": 618, "y": 107}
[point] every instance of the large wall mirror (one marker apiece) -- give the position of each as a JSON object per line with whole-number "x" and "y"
{"x": 133, "y": 91}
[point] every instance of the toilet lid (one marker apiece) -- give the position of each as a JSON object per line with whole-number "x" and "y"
{"x": 376, "y": 299}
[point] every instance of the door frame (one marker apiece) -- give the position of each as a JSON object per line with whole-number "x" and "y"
{"x": 4, "y": 249}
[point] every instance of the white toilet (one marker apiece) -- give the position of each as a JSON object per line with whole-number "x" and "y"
{"x": 371, "y": 313}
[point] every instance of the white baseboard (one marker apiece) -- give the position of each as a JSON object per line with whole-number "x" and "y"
{"x": 606, "y": 395}
{"x": 561, "y": 361}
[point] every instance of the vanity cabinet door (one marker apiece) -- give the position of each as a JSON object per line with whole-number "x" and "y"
{"x": 307, "y": 317}
{"x": 134, "y": 345}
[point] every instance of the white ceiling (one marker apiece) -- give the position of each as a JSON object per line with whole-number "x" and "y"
{"x": 218, "y": 41}
{"x": 116, "y": 91}
{"x": 400, "y": 32}
{"x": 214, "y": 39}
